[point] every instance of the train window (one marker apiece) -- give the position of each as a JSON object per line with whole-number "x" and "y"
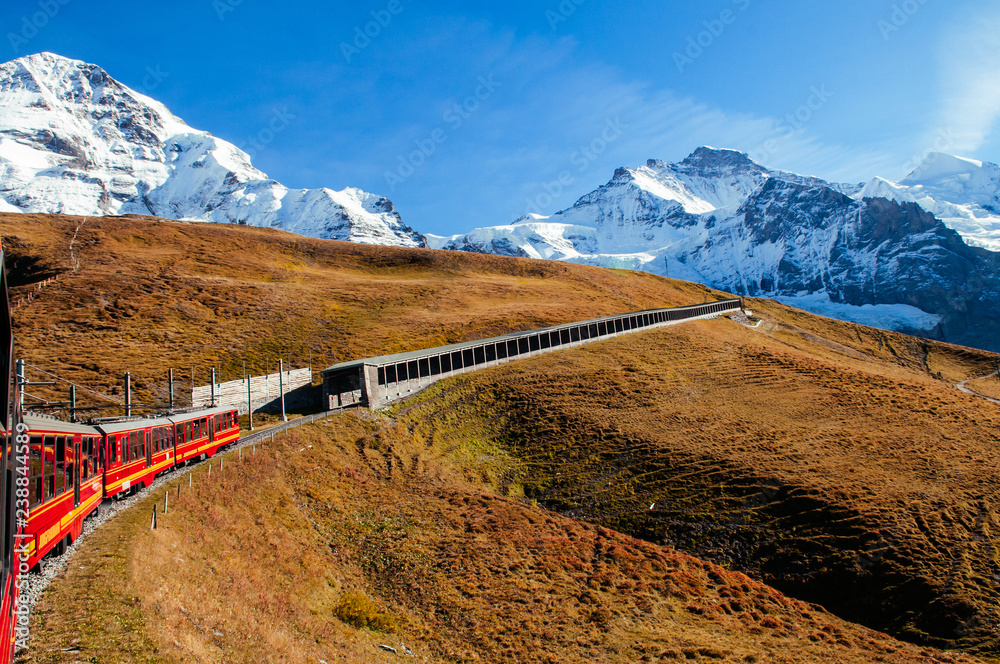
{"x": 188, "y": 431}
{"x": 204, "y": 427}
{"x": 35, "y": 473}
{"x": 218, "y": 422}
{"x": 84, "y": 460}
{"x": 50, "y": 464}
{"x": 71, "y": 463}
{"x": 60, "y": 465}
{"x": 87, "y": 450}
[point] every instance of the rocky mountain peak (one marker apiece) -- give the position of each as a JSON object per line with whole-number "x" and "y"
{"x": 74, "y": 140}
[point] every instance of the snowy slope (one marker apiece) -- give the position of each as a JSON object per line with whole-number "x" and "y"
{"x": 963, "y": 193}
{"x": 867, "y": 252}
{"x": 73, "y": 140}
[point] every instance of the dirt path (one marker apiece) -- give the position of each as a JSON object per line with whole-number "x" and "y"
{"x": 961, "y": 386}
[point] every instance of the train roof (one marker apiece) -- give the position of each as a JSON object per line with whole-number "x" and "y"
{"x": 132, "y": 425}
{"x": 195, "y": 414}
{"x": 46, "y": 423}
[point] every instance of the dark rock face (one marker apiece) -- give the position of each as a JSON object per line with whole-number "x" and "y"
{"x": 874, "y": 251}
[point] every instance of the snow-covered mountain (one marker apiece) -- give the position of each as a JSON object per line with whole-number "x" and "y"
{"x": 73, "y": 140}
{"x": 868, "y": 253}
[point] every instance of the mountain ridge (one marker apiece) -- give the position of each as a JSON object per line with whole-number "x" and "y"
{"x": 74, "y": 140}
{"x": 719, "y": 218}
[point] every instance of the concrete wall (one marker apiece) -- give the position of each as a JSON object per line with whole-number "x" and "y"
{"x": 378, "y": 381}
{"x": 265, "y": 392}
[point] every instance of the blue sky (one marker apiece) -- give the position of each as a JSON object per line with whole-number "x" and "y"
{"x": 471, "y": 116}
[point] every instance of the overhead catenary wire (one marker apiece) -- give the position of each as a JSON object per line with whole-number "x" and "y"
{"x": 79, "y": 387}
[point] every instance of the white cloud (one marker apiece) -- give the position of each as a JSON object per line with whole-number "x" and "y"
{"x": 969, "y": 66}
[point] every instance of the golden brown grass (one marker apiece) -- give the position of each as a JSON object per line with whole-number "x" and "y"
{"x": 862, "y": 483}
{"x": 150, "y": 295}
{"x": 832, "y": 460}
{"x": 257, "y": 561}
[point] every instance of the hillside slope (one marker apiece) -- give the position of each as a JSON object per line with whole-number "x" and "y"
{"x": 144, "y": 295}
{"x": 836, "y": 462}
{"x": 829, "y": 460}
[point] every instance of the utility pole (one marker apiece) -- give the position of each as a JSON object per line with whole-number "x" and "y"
{"x": 213, "y": 387}
{"x": 170, "y": 386}
{"x": 72, "y": 403}
{"x": 249, "y": 404}
{"x": 128, "y": 394}
{"x": 22, "y": 382}
{"x": 666, "y": 269}
{"x": 281, "y": 387}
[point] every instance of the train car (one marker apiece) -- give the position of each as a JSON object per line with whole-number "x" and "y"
{"x": 65, "y": 483}
{"x": 204, "y": 432}
{"x": 136, "y": 451}
{"x": 13, "y": 471}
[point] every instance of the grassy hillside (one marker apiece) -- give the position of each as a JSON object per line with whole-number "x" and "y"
{"x": 828, "y": 460}
{"x": 146, "y": 295}
{"x": 352, "y": 534}
{"x": 834, "y": 462}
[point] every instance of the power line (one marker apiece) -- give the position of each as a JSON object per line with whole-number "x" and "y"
{"x": 79, "y": 387}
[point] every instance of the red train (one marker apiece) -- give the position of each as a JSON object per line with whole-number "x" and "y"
{"x": 72, "y": 468}
{"x": 56, "y": 474}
